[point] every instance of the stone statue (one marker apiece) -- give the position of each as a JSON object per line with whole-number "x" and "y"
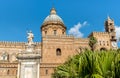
{"x": 30, "y": 45}
{"x": 30, "y": 37}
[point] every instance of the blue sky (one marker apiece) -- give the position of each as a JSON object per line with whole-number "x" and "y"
{"x": 18, "y": 16}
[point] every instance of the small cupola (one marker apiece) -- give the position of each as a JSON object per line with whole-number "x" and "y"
{"x": 53, "y": 11}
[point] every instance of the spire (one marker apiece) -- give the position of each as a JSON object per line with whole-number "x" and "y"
{"x": 53, "y": 11}
{"x": 108, "y": 18}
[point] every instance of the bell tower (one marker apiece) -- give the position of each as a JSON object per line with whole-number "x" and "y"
{"x": 109, "y": 25}
{"x": 110, "y": 28}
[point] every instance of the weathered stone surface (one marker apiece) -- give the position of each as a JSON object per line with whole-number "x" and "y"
{"x": 54, "y": 40}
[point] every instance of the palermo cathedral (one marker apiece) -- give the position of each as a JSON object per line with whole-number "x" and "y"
{"x": 39, "y": 59}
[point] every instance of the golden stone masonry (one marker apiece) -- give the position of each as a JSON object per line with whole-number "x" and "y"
{"x": 56, "y": 46}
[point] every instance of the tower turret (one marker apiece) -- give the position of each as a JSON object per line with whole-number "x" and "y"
{"x": 110, "y": 28}
{"x": 109, "y": 25}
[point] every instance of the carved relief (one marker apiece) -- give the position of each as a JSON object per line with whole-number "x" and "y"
{"x": 4, "y": 56}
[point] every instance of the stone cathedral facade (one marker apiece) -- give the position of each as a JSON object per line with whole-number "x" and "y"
{"x": 56, "y": 46}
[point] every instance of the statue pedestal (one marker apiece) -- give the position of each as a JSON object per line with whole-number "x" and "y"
{"x": 29, "y": 60}
{"x": 29, "y": 64}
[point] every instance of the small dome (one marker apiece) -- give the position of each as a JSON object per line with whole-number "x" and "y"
{"x": 53, "y": 17}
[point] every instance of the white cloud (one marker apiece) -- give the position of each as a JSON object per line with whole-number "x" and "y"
{"x": 85, "y": 23}
{"x": 117, "y": 28}
{"x": 75, "y": 30}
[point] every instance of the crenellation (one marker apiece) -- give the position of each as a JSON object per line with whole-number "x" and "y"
{"x": 100, "y": 33}
{"x": 21, "y": 45}
{"x": 83, "y": 39}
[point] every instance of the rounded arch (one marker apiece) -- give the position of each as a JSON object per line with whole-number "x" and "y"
{"x": 5, "y": 56}
{"x": 58, "y": 52}
{"x": 103, "y": 49}
{"x": 8, "y": 71}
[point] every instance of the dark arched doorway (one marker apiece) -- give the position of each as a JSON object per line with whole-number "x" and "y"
{"x": 103, "y": 49}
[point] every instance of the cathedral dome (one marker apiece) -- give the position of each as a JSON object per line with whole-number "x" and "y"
{"x": 53, "y": 17}
{"x": 53, "y": 24}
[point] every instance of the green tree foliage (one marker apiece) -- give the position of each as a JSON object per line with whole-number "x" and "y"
{"x": 105, "y": 64}
{"x": 92, "y": 42}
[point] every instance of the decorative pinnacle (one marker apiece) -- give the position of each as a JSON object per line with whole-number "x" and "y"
{"x": 108, "y": 18}
{"x": 53, "y": 11}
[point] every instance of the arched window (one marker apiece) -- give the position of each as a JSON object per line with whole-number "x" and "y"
{"x": 63, "y": 32}
{"x": 58, "y": 52}
{"x": 8, "y": 72}
{"x": 104, "y": 43}
{"x": 107, "y": 43}
{"x": 5, "y": 56}
{"x": 55, "y": 32}
{"x": 46, "y": 72}
{"x": 100, "y": 43}
{"x": 111, "y": 23}
{"x": 45, "y": 32}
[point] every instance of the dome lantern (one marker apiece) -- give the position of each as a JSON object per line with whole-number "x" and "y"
{"x": 53, "y": 11}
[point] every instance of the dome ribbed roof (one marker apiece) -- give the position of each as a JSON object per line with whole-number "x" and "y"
{"x": 53, "y": 17}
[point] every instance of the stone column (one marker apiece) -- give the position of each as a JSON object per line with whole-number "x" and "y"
{"x": 38, "y": 70}
{"x": 18, "y": 72}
